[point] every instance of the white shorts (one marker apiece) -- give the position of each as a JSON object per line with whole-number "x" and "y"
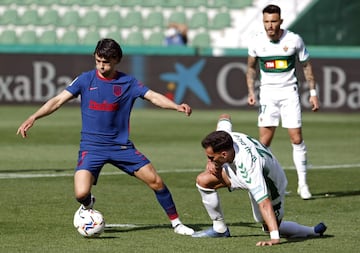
{"x": 276, "y": 104}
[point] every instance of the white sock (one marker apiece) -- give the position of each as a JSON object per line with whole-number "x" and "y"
{"x": 175, "y": 222}
{"x": 292, "y": 229}
{"x": 300, "y": 161}
{"x": 211, "y": 201}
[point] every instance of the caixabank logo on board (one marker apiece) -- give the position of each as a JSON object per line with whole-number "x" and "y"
{"x": 186, "y": 78}
{"x": 203, "y": 82}
{"x": 38, "y": 82}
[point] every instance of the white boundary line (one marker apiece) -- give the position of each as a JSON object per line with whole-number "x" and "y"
{"x": 122, "y": 226}
{"x": 42, "y": 175}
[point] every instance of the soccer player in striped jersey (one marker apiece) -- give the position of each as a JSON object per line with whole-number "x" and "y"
{"x": 238, "y": 161}
{"x": 277, "y": 50}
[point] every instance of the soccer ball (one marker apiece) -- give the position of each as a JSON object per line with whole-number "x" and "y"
{"x": 89, "y": 222}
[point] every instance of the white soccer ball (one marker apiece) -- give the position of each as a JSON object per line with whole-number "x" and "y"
{"x": 89, "y": 222}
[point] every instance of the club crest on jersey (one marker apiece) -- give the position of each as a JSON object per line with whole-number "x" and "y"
{"x": 285, "y": 49}
{"x": 117, "y": 90}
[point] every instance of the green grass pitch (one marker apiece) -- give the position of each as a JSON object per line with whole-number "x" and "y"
{"x": 37, "y": 202}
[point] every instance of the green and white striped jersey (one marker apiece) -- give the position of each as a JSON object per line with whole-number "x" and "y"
{"x": 277, "y": 58}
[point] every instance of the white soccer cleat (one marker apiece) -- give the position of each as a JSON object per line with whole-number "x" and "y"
{"x": 304, "y": 192}
{"x": 181, "y": 229}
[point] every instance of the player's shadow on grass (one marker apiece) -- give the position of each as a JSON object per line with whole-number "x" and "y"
{"x": 109, "y": 229}
{"x": 337, "y": 194}
{"x": 123, "y": 228}
{"x": 126, "y": 229}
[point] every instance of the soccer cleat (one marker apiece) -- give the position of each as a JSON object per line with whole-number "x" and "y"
{"x": 304, "y": 192}
{"x": 320, "y": 228}
{"x": 181, "y": 229}
{"x": 211, "y": 233}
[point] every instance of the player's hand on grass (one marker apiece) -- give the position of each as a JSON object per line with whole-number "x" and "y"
{"x": 25, "y": 127}
{"x": 268, "y": 243}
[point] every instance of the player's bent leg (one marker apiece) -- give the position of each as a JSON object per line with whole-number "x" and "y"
{"x": 211, "y": 201}
{"x": 292, "y": 229}
{"x": 150, "y": 177}
{"x": 208, "y": 180}
{"x": 83, "y": 181}
{"x": 165, "y": 199}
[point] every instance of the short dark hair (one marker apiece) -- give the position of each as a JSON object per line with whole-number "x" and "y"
{"x": 108, "y": 49}
{"x": 271, "y": 8}
{"x": 218, "y": 141}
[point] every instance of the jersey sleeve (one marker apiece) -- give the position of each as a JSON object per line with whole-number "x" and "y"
{"x": 76, "y": 86}
{"x": 257, "y": 187}
{"x": 140, "y": 88}
{"x": 252, "y": 46}
{"x": 302, "y": 53}
{"x": 136, "y": 87}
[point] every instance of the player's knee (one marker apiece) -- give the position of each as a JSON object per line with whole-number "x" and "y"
{"x": 157, "y": 186}
{"x": 202, "y": 180}
{"x": 296, "y": 140}
{"x": 155, "y": 183}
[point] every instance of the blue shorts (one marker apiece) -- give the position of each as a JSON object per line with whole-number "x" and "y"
{"x": 128, "y": 160}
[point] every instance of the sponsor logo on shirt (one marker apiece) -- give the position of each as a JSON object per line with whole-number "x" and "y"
{"x": 104, "y": 106}
{"x": 276, "y": 64}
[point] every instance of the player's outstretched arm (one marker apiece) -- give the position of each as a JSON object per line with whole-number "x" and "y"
{"x": 163, "y": 102}
{"x": 49, "y": 107}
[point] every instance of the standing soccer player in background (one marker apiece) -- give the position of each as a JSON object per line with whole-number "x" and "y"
{"x": 277, "y": 50}
{"x": 107, "y": 98}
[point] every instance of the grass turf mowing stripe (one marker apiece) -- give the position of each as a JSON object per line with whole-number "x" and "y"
{"x": 41, "y": 175}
